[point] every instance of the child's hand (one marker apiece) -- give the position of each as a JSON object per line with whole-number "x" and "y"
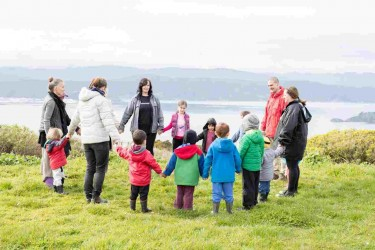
{"x": 67, "y": 136}
{"x": 163, "y": 175}
{"x": 160, "y": 132}
{"x": 204, "y": 179}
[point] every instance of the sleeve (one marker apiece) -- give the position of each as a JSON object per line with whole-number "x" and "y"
{"x": 171, "y": 165}
{"x": 74, "y": 122}
{"x": 201, "y": 164}
{"x": 161, "y": 117}
{"x": 244, "y": 147}
{"x": 207, "y": 163}
{"x": 62, "y": 143}
{"x": 279, "y": 150}
{"x": 129, "y": 110}
{"x": 50, "y": 106}
{"x": 236, "y": 136}
{"x": 117, "y": 123}
{"x": 123, "y": 152}
{"x": 153, "y": 164}
{"x": 105, "y": 113}
{"x": 168, "y": 127}
{"x": 200, "y": 136}
{"x": 264, "y": 120}
{"x": 237, "y": 160}
{"x": 287, "y": 129}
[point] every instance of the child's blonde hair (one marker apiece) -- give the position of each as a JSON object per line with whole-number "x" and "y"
{"x": 182, "y": 102}
{"x": 54, "y": 134}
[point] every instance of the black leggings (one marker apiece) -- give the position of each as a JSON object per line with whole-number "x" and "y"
{"x": 150, "y": 142}
{"x": 293, "y": 175}
{"x": 176, "y": 143}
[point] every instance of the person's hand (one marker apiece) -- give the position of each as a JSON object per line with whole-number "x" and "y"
{"x": 120, "y": 131}
{"x": 160, "y": 132}
{"x": 264, "y": 133}
{"x": 163, "y": 175}
{"x": 204, "y": 179}
{"x": 78, "y": 131}
{"x": 67, "y": 136}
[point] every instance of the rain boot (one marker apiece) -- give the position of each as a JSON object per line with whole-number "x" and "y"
{"x": 132, "y": 204}
{"x": 145, "y": 209}
{"x": 229, "y": 206}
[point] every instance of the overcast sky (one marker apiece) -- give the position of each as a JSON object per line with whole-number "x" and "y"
{"x": 260, "y": 36}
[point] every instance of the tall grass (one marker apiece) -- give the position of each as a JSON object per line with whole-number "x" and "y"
{"x": 335, "y": 209}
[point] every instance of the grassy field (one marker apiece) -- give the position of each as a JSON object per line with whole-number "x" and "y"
{"x": 335, "y": 209}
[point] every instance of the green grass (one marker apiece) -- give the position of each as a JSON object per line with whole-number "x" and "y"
{"x": 335, "y": 209}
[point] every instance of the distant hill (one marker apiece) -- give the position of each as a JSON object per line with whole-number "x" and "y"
{"x": 368, "y": 117}
{"x": 190, "y": 84}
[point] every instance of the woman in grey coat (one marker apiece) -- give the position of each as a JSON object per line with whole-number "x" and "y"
{"x": 53, "y": 116}
{"x": 147, "y": 114}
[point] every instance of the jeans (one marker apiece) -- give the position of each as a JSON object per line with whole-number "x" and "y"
{"x": 264, "y": 187}
{"x": 222, "y": 190}
{"x": 97, "y": 157}
{"x": 141, "y": 190}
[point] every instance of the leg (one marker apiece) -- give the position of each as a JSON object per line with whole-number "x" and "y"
{"x": 134, "y": 191}
{"x": 228, "y": 195}
{"x": 176, "y": 143}
{"x": 246, "y": 189}
{"x": 178, "y": 203}
{"x": 217, "y": 194}
{"x": 101, "y": 151}
{"x": 57, "y": 177}
{"x": 188, "y": 197}
{"x": 90, "y": 170}
{"x": 298, "y": 173}
{"x": 256, "y": 186}
{"x": 143, "y": 195}
{"x": 45, "y": 169}
{"x": 150, "y": 142}
{"x": 293, "y": 175}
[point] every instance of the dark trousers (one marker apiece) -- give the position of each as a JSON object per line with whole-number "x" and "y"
{"x": 141, "y": 190}
{"x": 150, "y": 140}
{"x": 250, "y": 185}
{"x": 176, "y": 143}
{"x": 97, "y": 157}
{"x": 293, "y": 175}
{"x": 184, "y": 197}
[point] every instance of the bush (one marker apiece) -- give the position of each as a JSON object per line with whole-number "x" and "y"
{"x": 163, "y": 145}
{"x": 12, "y": 159}
{"x": 18, "y": 140}
{"x": 355, "y": 146}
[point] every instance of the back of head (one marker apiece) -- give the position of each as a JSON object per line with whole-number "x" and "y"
{"x": 190, "y": 137}
{"x": 53, "y": 82}
{"x": 98, "y": 82}
{"x": 139, "y": 136}
{"x": 244, "y": 113}
{"x": 54, "y": 134}
{"x": 222, "y": 129}
{"x": 292, "y": 91}
{"x": 250, "y": 121}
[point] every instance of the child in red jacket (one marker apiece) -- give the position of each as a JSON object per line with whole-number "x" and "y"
{"x": 141, "y": 161}
{"x": 55, "y": 150}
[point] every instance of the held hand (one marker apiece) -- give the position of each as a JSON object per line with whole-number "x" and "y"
{"x": 264, "y": 133}
{"x": 204, "y": 179}
{"x": 163, "y": 175}
{"x": 78, "y": 132}
{"x": 160, "y": 132}
{"x": 67, "y": 136}
{"x": 120, "y": 131}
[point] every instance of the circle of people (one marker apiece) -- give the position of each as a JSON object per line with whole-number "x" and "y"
{"x": 282, "y": 132}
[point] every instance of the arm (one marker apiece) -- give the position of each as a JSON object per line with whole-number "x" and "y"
{"x": 61, "y": 144}
{"x": 171, "y": 165}
{"x": 123, "y": 152}
{"x": 237, "y": 160}
{"x": 129, "y": 110}
{"x": 201, "y": 164}
{"x": 207, "y": 163}
{"x": 279, "y": 150}
{"x": 74, "y": 122}
{"x": 161, "y": 117}
{"x": 236, "y": 136}
{"x": 287, "y": 129}
{"x": 153, "y": 164}
{"x": 50, "y": 106}
{"x": 264, "y": 120}
{"x": 244, "y": 147}
{"x": 167, "y": 127}
{"x": 105, "y": 113}
{"x": 200, "y": 136}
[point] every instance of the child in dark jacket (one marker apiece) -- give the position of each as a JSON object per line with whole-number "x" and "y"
{"x": 180, "y": 123}
{"x": 208, "y": 135}
{"x": 224, "y": 160}
{"x": 141, "y": 161}
{"x": 55, "y": 150}
{"x": 187, "y": 161}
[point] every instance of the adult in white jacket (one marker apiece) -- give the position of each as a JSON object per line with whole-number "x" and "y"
{"x": 95, "y": 114}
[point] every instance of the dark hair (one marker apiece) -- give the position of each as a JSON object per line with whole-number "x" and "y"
{"x": 139, "y": 136}
{"x": 293, "y": 92}
{"x": 98, "y": 82}
{"x": 142, "y": 83}
{"x": 244, "y": 113}
{"x": 53, "y": 82}
{"x": 222, "y": 129}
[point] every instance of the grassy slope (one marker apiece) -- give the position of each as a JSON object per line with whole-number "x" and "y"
{"x": 335, "y": 209}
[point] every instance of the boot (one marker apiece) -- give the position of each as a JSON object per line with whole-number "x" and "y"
{"x": 49, "y": 182}
{"x": 229, "y": 207}
{"x": 60, "y": 190}
{"x": 132, "y": 204}
{"x": 215, "y": 208}
{"x": 263, "y": 197}
{"x": 145, "y": 209}
{"x": 98, "y": 200}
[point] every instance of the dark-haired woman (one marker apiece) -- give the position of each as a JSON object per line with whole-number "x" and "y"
{"x": 95, "y": 114}
{"x": 292, "y": 133}
{"x": 147, "y": 114}
{"x": 53, "y": 116}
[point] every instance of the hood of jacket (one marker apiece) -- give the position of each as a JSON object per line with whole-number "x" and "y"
{"x": 223, "y": 145}
{"x": 209, "y": 121}
{"x": 137, "y": 153}
{"x": 186, "y": 151}
{"x": 87, "y": 94}
{"x": 256, "y": 136}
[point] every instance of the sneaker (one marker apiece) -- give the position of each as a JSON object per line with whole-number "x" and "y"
{"x": 98, "y": 200}
{"x": 286, "y": 194}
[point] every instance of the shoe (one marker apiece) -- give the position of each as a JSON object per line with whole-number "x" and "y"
{"x": 98, "y": 200}
{"x": 60, "y": 190}
{"x": 229, "y": 206}
{"x": 132, "y": 204}
{"x": 215, "y": 207}
{"x": 88, "y": 200}
{"x": 145, "y": 209}
{"x": 263, "y": 197}
{"x": 48, "y": 181}
{"x": 286, "y": 194}
{"x": 283, "y": 191}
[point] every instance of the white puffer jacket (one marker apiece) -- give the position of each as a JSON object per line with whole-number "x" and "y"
{"x": 94, "y": 113}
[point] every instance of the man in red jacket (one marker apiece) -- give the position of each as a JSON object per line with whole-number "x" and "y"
{"x": 274, "y": 108}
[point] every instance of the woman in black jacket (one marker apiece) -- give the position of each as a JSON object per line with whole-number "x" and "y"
{"x": 292, "y": 133}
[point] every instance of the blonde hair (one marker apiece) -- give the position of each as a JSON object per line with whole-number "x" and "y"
{"x": 182, "y": 102}
{"x": 98, "y": 82}
{"x": 54, "y": 134}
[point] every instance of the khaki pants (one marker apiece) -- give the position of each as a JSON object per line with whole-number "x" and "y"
{"x": 45, "y": 168}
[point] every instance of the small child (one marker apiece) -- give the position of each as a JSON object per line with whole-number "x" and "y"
{"x": 238, "y": 135}
{"x": 141, "y": 161}
{"x": 251, "y": 152}
{"x": 224, "y": 160}
{"x": 208, "y": 134}
{"x": 187, "y": 161}
{"x": 266, "y": 172}
{"x": 180, "y": 123}
{"x": 55, "y": 150}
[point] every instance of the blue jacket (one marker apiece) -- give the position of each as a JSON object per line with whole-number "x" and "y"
{"x": 224, "y": 159}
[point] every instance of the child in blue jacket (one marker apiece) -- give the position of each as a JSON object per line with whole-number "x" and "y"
{"x": 224, "y": 159}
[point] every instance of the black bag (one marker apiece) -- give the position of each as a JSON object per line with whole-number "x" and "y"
{"x": 306, "y": 115}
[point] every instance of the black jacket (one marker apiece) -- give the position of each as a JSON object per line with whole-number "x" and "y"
{"x": 292, "y": 131}
{"x": 203, "y": 135}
